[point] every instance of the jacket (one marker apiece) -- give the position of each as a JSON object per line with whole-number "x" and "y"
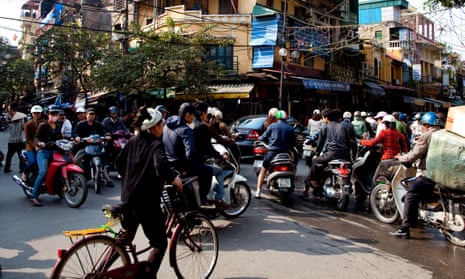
{"x": 178, "y": 139}
{"x": 30, "y": 129}
{"x": 280, "y": 136}
{"x": 420, "y": 150}
{"x": 144, "y": 168}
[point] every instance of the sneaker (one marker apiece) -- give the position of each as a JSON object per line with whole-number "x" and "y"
{"x": 220, "y": 204}
{"x": 258, "y": 195}
{"x": 401, "y": 232}
{"x": 36, "y": 202}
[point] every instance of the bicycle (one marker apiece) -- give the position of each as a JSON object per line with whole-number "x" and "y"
{"x": 193, "y": 246}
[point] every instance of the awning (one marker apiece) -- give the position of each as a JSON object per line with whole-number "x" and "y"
{"x": 231, "y": 91}
{"x": 395, "y": 87}
{"x": 375, "y": 89}
{"x": 325, "y": 84}
{"x": 414, "y": 101}
{"x": 438, "y": 103}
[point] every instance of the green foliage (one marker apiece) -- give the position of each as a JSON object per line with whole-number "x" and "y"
{"x": 435, "y": 4}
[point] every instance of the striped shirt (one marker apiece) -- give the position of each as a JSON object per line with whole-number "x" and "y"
{"x": 17, "y": 128}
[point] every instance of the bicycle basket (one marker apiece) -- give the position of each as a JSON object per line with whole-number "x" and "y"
{"x": 183, "y": 202}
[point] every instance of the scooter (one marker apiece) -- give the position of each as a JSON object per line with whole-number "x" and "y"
{"x": 335, "y": 183}
{"x": 280, "y": 176}
{"x": 91, "y": 159}
{"x": 444, "y": 209}
{"x": 236, "y": 190}
{"x": 64, "y": 178}
{"x": 309, "y": 148}
{"x": 363, "y": 170}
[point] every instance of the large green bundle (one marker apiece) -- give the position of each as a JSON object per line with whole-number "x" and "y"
{"x": 445, "y": 162}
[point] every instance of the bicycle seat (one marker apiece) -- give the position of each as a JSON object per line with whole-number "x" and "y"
{"x": 113, "y": 211}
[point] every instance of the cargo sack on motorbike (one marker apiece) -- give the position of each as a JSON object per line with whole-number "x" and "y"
{"x": 445, "y": 161}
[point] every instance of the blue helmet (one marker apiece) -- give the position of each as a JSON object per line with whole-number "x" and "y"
{"x": 53, "y": 108}
{"x": 113, "y": 109}
{"x": 430, "y": 118}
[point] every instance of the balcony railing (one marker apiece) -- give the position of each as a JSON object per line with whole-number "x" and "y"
{"x": 404, "y": 44}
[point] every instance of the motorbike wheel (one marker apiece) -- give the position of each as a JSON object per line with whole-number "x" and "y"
{"x": 76, "y": 194}
{"x": 383, "y": 204}
{"x": 455, "y": 229}
{"x": 343, "y": 202}
{"x": 98, "y": 181}
{"x": 240, "y": 200}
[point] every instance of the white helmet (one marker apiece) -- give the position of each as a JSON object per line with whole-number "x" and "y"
{"x": 347, "y": 114}
{"x": 80, "y": 109}
{"x": 316, "y": 111}
{"x": 389, "y": 118}
{"x": 272, "y": 112}
{"x": 218, "y": 114}
{"x": 36, "y": 108}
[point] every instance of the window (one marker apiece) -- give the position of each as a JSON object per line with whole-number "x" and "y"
{"x": 222, "y": 54}
{"x": 379, "y": 35}
{"x": 225, "y": 7}
{"x": 269, "y": 3}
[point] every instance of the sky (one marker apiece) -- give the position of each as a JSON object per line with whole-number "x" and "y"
{"x": 451, "y": 24}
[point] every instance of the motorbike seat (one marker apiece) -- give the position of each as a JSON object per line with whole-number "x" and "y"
{"x": 280, "y": 157}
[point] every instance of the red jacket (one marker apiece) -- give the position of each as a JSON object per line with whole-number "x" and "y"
{"x": 392, "y": 140}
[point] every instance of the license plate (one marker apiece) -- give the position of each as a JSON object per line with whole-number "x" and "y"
{"x": 257, "y": 163}
{"x": 307, "y": 153}
{"x": 284, "y": 182}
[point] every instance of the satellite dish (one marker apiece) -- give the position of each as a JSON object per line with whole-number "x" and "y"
{"x": 295, "y": 54}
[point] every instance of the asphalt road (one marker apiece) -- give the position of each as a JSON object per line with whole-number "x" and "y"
{"x": 308, "y": 239}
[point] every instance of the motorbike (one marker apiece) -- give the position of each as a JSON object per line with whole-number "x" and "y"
{"x": 444, "y": 209}
{"x": 91, "y": 159}
{"x": 363, "y": 170}
{"x": 309, "y": 148}
{"x": 64, "y": 178}
{"x": 335, "y": 184}
{"x": 280, "y": 176}
{"x": 236, "y": 190}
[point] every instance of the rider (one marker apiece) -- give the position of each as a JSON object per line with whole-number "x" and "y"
{"x": 205, "y": 150}
{"x": 112, "y": 124}
{"x": 394, "y": 142}
{"x": 163, "y": 109}
{"x": 423, "y": 186}
{"x": 178, "y": 139}
{"x": 335, "y": 140}
{"x": 30, "y": 129}
{"x": 47, "y": 131}
{"x": 280, "y": 137}
{"x": 145, "y": 167}
{"x": 221, "y": 133}
{"x": 315, "y": 122}
{"x": 360, "y": 126}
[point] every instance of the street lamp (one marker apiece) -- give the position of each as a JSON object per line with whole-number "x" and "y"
{"x": 283, "y": 54}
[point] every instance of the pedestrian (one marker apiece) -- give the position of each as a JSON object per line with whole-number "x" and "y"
{"x": 30, "y": 129}
{"x": 315, "y": 122}
{"x": 145, "y": 169}
{"x": 16, "y": 140}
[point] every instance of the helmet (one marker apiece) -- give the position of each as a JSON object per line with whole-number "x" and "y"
{"x": 80, "y": 109}
{"x": 417, "y": 116}
{"x": 347, "y": 114}
{"x": 272, "y": 112}
{"x": 430, "y": 118}
{"x": 162, "y": 108}
{"x": 113, "y": 109}
{"x": 402, "y": 116}
{"x": 389, "y": 118}
{"x": 54, "y": 108}
{"x": 281, "y": 114}
{"x": 380, "y": 114}
{"x": 218, "y": 114}
{"x": 155, "y": 117}
{"x": 363, "y": 114}
{"x": 186, "y": 108}
{"x": 317, "y": 111}
{"x": 357, "y": 114}
{"x": 36, "y": 108}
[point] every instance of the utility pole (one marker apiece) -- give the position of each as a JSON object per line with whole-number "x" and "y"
{"x": 125, "y": 42}
{"x": 283, "y": 54}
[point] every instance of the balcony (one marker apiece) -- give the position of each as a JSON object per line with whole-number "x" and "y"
{"x": 403, "y": 44}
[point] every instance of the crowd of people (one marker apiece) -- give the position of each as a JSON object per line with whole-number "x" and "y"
{"x": 164, "y": 147}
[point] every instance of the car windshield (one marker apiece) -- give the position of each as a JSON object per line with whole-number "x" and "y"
{"x": 252, "y": 123}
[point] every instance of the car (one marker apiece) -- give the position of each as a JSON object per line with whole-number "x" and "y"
{"x": 248, "y": 128}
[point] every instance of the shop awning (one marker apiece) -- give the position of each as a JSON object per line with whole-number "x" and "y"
{"x": 414, "y": 101}
{"x": 396, "y": 87}
{"x": 438, "y": 103}
{"x": 231, "y": 91}
{"x": 325, "y": 84}
{"x": 375, "y": 89}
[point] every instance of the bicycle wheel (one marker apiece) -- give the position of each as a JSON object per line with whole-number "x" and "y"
{"x": 194, "y": 248}
{"x": 90, "y": 258}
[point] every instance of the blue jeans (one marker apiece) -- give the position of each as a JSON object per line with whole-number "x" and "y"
{"x": 31, "y": 156}
{"x": 219, "y": 190}
{"x": 43, "y": 156}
